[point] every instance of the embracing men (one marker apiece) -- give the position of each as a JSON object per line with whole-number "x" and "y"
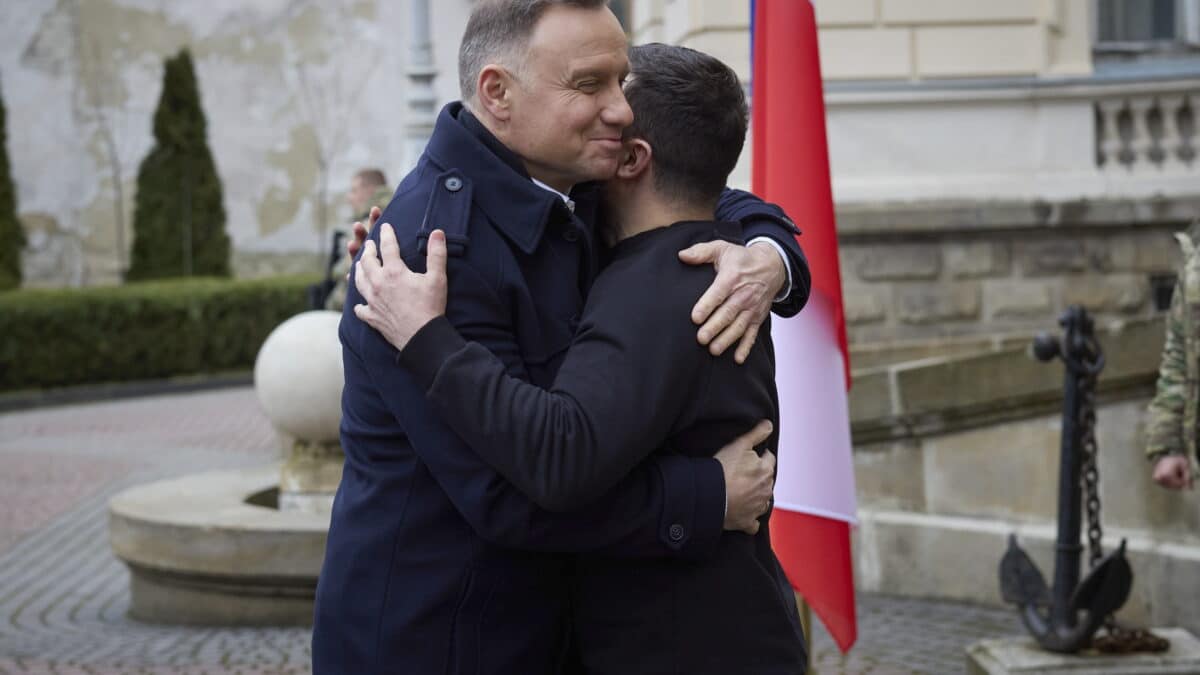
{"x": 436, "y": 562}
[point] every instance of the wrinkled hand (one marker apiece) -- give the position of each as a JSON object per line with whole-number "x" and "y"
{"x": 1173, "y": 472}
{"x": 360, "y": 233}
{"x": 400, "y": 301}
{"x": 735, "y": 306}
{"x": 749, "y": 479}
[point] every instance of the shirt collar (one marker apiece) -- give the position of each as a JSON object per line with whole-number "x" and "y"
{"x": 566, "y": 200}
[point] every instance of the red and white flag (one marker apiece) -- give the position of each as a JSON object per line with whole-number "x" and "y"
{"x": 815, "y": 504}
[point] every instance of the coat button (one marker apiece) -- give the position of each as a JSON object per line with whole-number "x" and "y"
{"x": 571, "y": 235}
{"x": 675, "y": 532}
{"x": 454, "y": 183}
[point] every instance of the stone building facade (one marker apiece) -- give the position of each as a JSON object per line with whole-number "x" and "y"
{"x": 992, "y": 162}
{"x": 299, "y": 94}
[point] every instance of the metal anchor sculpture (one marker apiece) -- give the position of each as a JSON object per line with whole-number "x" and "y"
{"x": 1063, "y": 618}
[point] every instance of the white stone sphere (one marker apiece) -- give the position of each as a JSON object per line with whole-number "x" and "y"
{"x": 298, "y": 376}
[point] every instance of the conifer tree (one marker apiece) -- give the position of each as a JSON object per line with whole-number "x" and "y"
{"x": 179, "y": 216}
{"x": 12, "y": 236}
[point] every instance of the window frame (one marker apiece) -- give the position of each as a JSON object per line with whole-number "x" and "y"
{"x": 1186, "y": 40}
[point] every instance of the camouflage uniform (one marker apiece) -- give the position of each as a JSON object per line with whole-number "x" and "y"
{"x": 1173, "y": 412}
{"x": 337, "y": 297}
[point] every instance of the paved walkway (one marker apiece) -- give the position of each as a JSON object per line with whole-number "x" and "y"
{"x": 63, "y": 596}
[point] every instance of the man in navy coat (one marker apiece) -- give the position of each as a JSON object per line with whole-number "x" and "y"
{"x": 434, "y": 563}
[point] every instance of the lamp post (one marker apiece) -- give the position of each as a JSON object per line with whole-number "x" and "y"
{"x": 419, "y": 94}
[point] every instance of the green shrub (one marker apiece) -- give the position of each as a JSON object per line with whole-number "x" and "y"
{"x": 179, "y": 216}
{"x": 137, "y": 331}
{"x": 12, "y": 237}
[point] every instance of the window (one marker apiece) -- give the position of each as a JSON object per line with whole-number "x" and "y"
{"x": 1147, "y": 26}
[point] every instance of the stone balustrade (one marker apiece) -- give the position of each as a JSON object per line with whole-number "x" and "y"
{"x": 1151, "y": 131}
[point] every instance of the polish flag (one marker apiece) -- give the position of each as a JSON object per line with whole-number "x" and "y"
{"x": 815, "y": 504}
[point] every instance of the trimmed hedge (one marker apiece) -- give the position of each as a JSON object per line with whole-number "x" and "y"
{"x": 59, "y": 337}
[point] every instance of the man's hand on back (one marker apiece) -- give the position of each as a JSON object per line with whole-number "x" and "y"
{"x": 1173, "y": 472}
{"x": 735, "y": 306}
{"x": 400, "y": 301}
{"x": 749, "y": 479}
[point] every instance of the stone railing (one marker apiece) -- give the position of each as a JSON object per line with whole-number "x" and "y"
{"x": 1154, "y": 130}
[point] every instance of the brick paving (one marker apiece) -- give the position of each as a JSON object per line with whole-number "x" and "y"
{"x": 63, "y": 596}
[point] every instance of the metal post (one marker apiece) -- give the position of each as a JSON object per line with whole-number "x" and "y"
{"x": 419, "y": 93}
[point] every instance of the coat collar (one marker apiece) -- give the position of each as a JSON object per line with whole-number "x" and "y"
{"x": 516, "y": 206}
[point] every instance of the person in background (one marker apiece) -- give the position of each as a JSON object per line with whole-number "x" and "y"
{"x": 1172, "y": 431}
{"x": 368, "y": 189}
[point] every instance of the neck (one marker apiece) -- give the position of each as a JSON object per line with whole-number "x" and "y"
{"x": 554, "y": 180}
{"x": 647, "y": 212}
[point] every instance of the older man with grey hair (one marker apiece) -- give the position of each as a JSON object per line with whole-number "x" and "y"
{"x": 435, "y": 562}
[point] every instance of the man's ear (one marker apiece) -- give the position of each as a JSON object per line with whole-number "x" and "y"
{"x": 493, "y": 90}
{"x": 635, "y": 159}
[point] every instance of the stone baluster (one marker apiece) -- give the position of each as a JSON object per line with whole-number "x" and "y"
{"x": 1187, "y": 121}
{"x": 1108, "y": 134}
{"x": 1172, "y": 139}
{"x": 1143, "y": 142}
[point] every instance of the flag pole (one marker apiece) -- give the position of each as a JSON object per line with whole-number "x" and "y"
{"x": 806, "y": 626}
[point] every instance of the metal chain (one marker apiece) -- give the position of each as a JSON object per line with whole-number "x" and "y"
{"x": 1118, "y": 640}
{"x": 1090, "y": 469}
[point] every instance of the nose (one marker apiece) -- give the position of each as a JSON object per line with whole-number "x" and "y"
{"x": 616, "y": 110}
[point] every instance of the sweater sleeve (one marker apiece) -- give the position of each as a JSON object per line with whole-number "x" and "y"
{"x": 624, "y": 381}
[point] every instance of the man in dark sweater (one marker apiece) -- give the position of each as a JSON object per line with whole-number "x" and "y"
{"x": 633, "y": 380}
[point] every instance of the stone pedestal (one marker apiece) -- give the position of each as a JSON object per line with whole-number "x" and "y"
{"x": 1003, "y": 656}
{"x": 210, "y": 549}
{"x": 310, "y": 476}
{"x": 298, "y": 379}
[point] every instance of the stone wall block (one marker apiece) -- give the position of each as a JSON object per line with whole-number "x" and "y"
{"x": 1113, "y": 293}
{"x": 1155, "y": 253}
{"x": 890, "y": 475}
{"x": 957, "y": 11}
{"x": 1008, "y": 470}
{"x": 979, "y": 51}
{"x": 845, "y": 12}
{"x": 898, "y": 262}
{"x": 978, "y": 259}
{"x": 1018, "y": 299}
{"x": 864, "y": 303}
{"x": 871, "y": 395}
{"x": 1053, "y": 257}
{"x": 866, "y": 53}
{"x": 932, "y": 303}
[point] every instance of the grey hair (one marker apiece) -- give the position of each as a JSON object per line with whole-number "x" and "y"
{"x": 499, "y": 29}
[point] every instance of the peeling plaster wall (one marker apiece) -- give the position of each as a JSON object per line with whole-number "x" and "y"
{"x": 286, "y": 85}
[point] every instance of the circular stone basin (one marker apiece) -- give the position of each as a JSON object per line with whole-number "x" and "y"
{"x": 209, "y": 549}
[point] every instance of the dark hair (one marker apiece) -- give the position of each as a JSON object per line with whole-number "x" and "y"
{"x": 692, "y": 111}
{"x": 498, "y": 29}
{"x": 371, "y": 177}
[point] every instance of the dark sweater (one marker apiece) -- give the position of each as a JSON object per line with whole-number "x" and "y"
{"x": 633, "y": 380}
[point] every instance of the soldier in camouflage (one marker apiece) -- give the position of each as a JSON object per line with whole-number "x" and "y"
{"x": 1171, "y": 445}
{"x": 369, "y": 188}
